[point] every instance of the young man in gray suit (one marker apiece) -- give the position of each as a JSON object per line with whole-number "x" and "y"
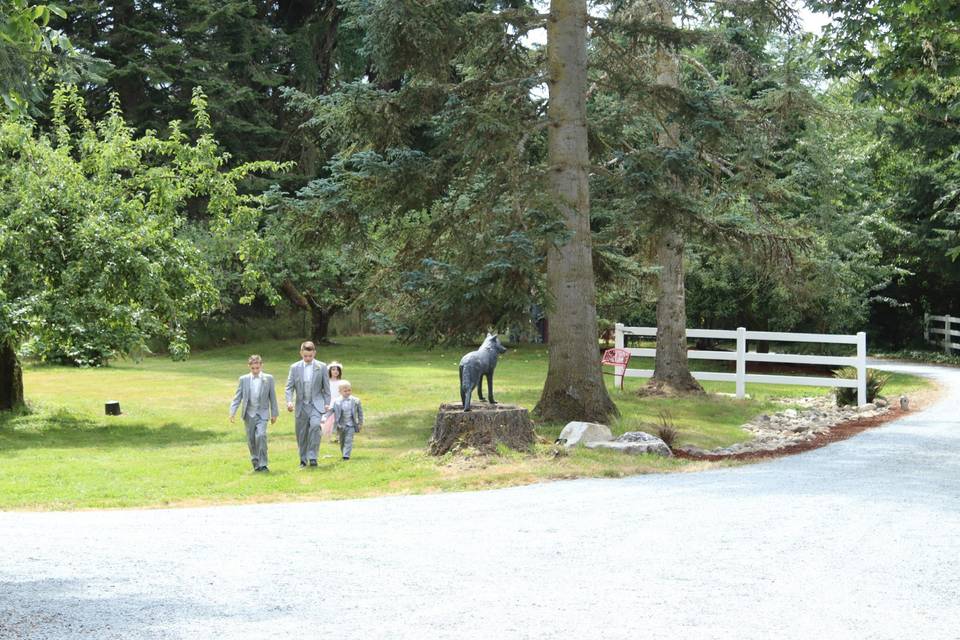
{"x": 308, "y": 380}
{"x": 256, "y": 393}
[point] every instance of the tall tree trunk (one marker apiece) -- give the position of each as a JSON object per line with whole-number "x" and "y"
{"x": 319, "y": 316}
{"x": 671, "y": 371}
{"x": 320, "y": 324}
{"x": 11, "y": 377}
{"x": 574, "y": 389}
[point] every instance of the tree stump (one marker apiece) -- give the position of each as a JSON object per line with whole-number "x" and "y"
{"x": 481, "y": 428}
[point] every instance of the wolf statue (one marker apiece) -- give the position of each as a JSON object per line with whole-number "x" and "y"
{"x": 477, "y": 364}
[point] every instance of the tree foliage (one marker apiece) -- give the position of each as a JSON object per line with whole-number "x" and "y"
{"x": 316, "y": 257}
{"x": 29, "y": 50}
{"x": 422, "y": 190}
{"x": 440, "y": 156}
{"x": 242, "y": 52}
{"x": 902, "y": 60}
{"x": 92, "y": 258}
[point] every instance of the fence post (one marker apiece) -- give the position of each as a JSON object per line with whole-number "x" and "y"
{"x": 618, "y": 336}
{"x": 946, "y": 336}
{"x": 861, "y": 368}
{"x": 741, "y": 362}
{"x": 926, "y": 328}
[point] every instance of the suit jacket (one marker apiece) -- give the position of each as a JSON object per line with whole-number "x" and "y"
{"x": 340, "y": 418}
{"x": 267, "y": 401}
{"x": 321, "y": 386}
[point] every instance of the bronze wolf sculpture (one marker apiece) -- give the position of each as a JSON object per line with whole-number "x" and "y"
{"x": 477, "y": 364}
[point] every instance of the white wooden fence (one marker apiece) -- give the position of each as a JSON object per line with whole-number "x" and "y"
{"x": 741, "y": 356}
{"x": 947, "y": 331}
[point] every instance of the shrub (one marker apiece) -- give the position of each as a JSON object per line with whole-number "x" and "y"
{"x": 876, "y": 380}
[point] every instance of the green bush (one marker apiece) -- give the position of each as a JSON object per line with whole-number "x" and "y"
{"x": 876, "y": 380}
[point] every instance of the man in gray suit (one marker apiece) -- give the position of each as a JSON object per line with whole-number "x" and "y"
{"x": 308, "y": 380}
{"x": 256, "y": 393}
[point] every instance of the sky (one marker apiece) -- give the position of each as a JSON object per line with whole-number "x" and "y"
{"x": 813, "y": 22}
{"x": 810, "y": 21}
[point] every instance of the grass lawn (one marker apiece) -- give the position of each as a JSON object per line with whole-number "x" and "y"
{"x": 175, "y": 446}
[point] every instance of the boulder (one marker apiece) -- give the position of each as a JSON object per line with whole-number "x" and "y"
{"x": 579, "y": 433}
{"x": 635, "y": 443}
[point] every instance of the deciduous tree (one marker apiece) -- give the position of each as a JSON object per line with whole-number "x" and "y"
{"x": 92, "y": 262}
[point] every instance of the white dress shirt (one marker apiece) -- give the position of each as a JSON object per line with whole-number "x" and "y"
{"x": 308, "y": 381}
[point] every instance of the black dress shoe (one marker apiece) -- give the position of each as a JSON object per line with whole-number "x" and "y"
{"x": 263, "y": 469}
{"x": 346, "y": 457}
{"x": 313, "y": 463}
{"x": 302, "y": 464}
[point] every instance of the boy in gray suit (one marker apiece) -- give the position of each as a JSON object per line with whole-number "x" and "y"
{"x": 348, "y": 418}
{"x": 308, "y": 380}
{"x": 256, "y": 393}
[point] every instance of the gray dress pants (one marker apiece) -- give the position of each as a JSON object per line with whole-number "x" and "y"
{"x": 346, "y": 440}
{"x": 256, "y": 439}
{"x": 308, "y": 432}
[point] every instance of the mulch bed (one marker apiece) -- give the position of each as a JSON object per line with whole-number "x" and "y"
{"x": 841, "y": 431}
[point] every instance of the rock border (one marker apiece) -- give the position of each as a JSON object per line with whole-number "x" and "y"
{"x": 794, "y": 431}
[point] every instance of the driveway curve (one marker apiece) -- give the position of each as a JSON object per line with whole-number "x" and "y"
{"x": 859, "y": 539}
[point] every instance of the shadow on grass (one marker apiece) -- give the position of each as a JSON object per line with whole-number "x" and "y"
{"x": 61, "y": 428}
{"x": 408, "y": 430}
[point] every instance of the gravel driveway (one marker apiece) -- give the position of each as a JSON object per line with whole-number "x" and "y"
{"x": 860, "y": 539}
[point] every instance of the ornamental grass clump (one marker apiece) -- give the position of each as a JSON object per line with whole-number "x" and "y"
{"x": 667, "y": 431}
{"x": 876, "y": 380}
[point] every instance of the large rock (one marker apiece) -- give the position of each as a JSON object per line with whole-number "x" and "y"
{"x": 584, "y": 432}
{"x": 482, "y": 428}
{"x": 635, "y": 443}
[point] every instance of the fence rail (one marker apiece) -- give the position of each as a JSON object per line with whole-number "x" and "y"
{"x": 741, "y": 357}
{"x": 947, "y": 331}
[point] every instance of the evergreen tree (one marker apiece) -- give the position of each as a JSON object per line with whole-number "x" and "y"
{"x": 436, "y": 136}
{"x": 687, "y": 127}
{"x": 904, "y": 60}
{"x": 445, "y": 154}
{"x": 574, "y": 387}
{"x": 242, "y": 52}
